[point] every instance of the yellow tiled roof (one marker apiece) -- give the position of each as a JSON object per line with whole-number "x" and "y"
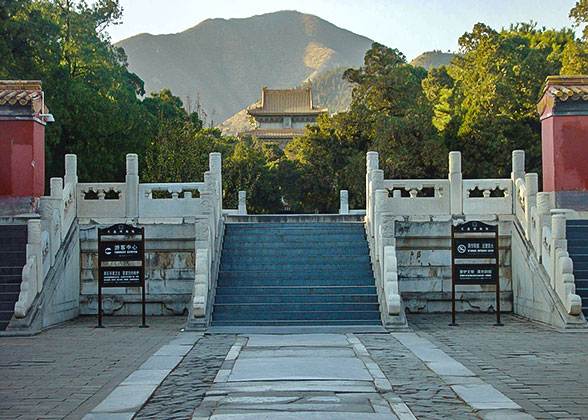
{"x": 19, "y": 91}
{"x": 286, "y": 101}
{"x": 563, "y": 88}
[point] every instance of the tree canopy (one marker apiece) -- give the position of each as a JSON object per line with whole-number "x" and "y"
{"x": 483, "y": 104}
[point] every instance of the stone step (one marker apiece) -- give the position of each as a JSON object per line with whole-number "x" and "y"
{"x": 13, "y": 258}
{"x": 335, "y": 281}
{"x": 9, "y": 296}
{"x": 240, "y": 230}
{"x": 11, "y": 278}
{"x": 295, "y": 290}
{"x": 296, "y": 298}
{"x": 10, "y": 247}
{"x": 294, "y": 307}
{"x": 7, "y": 306}
{"x": 571, "y": 223}
{"x": 11, "y": 270}
{"x": 577, "y": 249}
{"x": 283, "y": 266}
{"x": 299, "y": 323}
{"x": 296, "y": 274}
{"x": 290, "y": 225}
{"x": 6, "y": 315}
{"x": 577, "y": 232}
{"x": 20, "y": 240}
{"x": 310, "y": 245}
{"x": 9, "y": 288}
{"x": 294, "y": 238}
{"x": 582, "y": 242}
{"x": 3, "y": 325}
{"x": 302, "y": 260}
{"x": 294, "y": 315}
{"x": 285, "y": 252}
{"x": 580, "y": 274}
{"x": 580, "y": 264}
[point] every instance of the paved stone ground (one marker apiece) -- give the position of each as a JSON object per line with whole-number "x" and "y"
{"x": 183, "y": 390}
{"x": 424, "y": 392}
{"x": 67, "y": 370}
{"x": 543, "y": 370}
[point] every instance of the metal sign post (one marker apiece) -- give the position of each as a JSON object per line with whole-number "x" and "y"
{"x": 470, "y": 243}
{"x": 122, "y": 248}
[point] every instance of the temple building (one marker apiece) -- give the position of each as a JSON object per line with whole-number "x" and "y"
{"x": 283, "y": 114}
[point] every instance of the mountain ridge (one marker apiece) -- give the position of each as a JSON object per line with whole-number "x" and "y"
{"x": 226, "y": 61}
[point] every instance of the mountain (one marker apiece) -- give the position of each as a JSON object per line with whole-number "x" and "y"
{"x": 329, "y": 90}
{"x": 225, "y": 62}
{"x": 431, "y": 59}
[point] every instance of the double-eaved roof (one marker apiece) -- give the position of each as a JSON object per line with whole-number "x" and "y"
{"x": 286, "y": 102}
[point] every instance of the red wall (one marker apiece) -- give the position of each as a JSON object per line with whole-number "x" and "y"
{"x": 565, "y": 153}
{"x": 21, "y": 144}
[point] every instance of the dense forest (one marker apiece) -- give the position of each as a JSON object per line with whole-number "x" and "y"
{"x": 483, "y": 104}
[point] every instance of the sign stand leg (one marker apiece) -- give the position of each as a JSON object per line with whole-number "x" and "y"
{"x": 498, "y": 323}
{"x": 100, "y": 307}
{"x": 453, "y": 323}
{"x": 144, "y": 323}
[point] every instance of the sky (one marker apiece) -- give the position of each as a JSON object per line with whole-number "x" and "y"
{"x": 412, "y": 26}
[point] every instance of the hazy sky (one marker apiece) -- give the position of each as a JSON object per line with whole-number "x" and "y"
{"x": 412, "y": 26}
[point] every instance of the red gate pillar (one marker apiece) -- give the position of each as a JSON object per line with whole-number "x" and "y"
{"x": 563, "y": 110}
{"x": 22, "y": 146}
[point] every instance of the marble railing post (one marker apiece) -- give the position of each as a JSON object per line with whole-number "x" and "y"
{"x": 132, "y": 186}
{"x": 71, "y": 169}
{"x": 380, "y": 197}
{"x": 215, "y": 166}
{"x": 455, "y": 183}
{"x": 518, "y": 165}
{"x": 33, "y": 249}
{"x": 558, "y": 240}
{"x": 543, "y": 219}
{"x": 343, "y": 202}
{"x": 242, "y": 207}
{"x": 532, "y": 184}
{"x": 376, "y": 183}
{"x": 372, "y": 162}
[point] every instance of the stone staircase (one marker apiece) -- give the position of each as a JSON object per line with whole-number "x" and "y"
{"x": 295, "y": 274}
{"x": 577, "y": 236}
{"x": 13, "y": 240}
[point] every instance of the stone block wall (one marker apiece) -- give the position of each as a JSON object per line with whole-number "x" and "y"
{"x": 423, "y": 250}
{"x": 169, "y": 275}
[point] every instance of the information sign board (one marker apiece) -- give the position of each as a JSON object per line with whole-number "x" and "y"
{"x": 121, "y": 276}
{"x": 477, "y": 242}
{"x": 474, "y": 248}
{"x": 121, "y": 261}
{"x": 121, "y": 250}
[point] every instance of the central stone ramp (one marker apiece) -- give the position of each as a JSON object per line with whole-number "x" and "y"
{"x": 295, "y": 274}
{"x": 300, "y": 377}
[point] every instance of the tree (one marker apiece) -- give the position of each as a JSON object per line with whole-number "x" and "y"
{"x": 485, "y": 100}
{"x": 88, "y": 87}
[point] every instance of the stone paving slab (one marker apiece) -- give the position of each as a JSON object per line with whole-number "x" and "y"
{"x": 543, "y": 370}
{"x": 304, "y": 340}
{"x": 299, "y": 368}
{"x": 146, "y": 377}
{"x": 67, "y": 370}
{"x": 125, "y": 399}
{"x": 305, "y": 416}
{"x": 297, "y": 352}
{"x": 294, "y": 386}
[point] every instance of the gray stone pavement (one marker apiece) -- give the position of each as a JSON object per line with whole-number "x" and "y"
{"x": 543, "y": 370}
{"x": 436, "y": 372}
{"x": 66, "y": 371}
